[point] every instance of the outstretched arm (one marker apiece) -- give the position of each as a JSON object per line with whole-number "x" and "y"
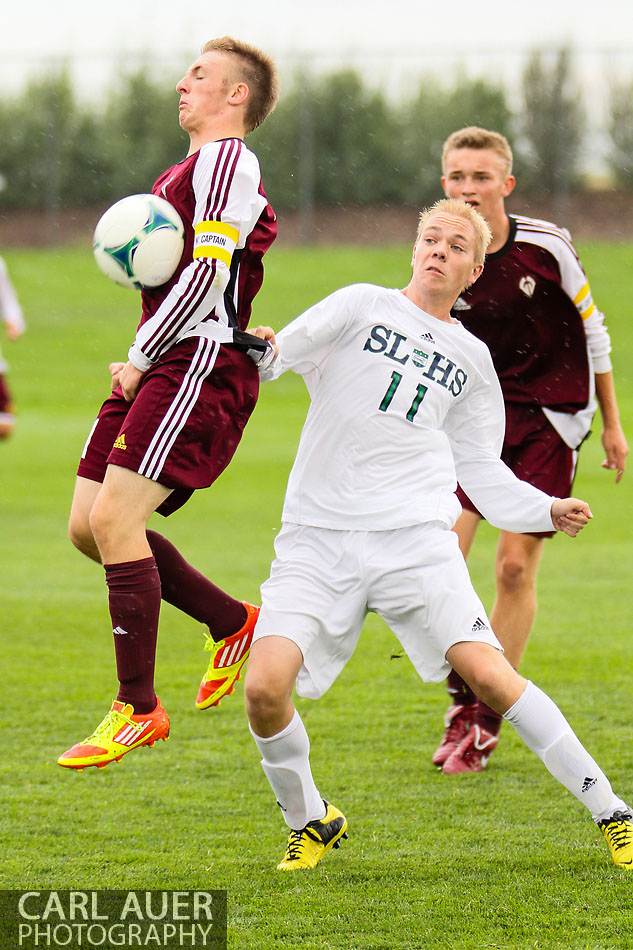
{"x": 305, "y": 342}
{"x": 475, "y": 430}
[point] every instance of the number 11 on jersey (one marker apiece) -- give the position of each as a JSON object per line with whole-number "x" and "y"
{"x": 396, "y": 379}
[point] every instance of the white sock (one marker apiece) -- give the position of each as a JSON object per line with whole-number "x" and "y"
{"x": 285, "y": 760}
{"x": 544, "y": 729}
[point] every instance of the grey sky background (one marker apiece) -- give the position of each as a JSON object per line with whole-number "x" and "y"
{"x": 36, "y": 31}
{"x": 392, "y": 44}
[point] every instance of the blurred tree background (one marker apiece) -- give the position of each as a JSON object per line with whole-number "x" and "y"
{"x": 332, "y": 141}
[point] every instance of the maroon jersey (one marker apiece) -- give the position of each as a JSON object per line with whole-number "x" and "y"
{"x": 533, "y": 308}
{"x": 196, "y": 394}
{"x": 229, "y": 225}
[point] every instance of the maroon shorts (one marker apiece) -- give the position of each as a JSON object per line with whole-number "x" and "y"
{"x": 535, "y": 452}
{"x": 185, "y": 423}
{"x": 5, "y": 398}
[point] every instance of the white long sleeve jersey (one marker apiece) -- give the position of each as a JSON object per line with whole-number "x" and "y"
{"x": 10, "y": 309}
{"x": 402, "y": 405}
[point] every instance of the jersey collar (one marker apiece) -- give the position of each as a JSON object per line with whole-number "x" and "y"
{"x": 508, "y": 244}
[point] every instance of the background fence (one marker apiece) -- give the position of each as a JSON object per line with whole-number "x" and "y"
{"x": 348, "y": 130}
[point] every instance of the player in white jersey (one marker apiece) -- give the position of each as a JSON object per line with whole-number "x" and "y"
{"x": 403, "y": 401}
{"x": 550, "y": 347}
{"x": 14, "y": 322}
{"x": 180, "y": 403}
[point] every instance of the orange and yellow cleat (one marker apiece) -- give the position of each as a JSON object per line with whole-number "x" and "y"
{"x": 121, "y": 731}
{"x": 228, "y": 656}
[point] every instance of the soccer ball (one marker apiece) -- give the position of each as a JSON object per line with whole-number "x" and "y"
{"x": 138, "y": 242}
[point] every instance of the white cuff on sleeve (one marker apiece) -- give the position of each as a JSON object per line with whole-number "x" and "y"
{"x": 138, "y": 358}
{"x": 602, "y": 364}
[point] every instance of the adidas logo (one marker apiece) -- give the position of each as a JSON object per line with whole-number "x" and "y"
{"x": 428, "y": 337}
{"x": 119, "y": 442}
{"x": 119, "y": 630}
{"x": 588, "y": 783}
{"x": 479, "y": 624}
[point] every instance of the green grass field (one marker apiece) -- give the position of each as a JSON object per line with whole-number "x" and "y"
{"x": 506, "y": 859}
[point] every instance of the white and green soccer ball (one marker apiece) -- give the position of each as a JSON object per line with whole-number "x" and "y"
{"x": 138, "y": 242}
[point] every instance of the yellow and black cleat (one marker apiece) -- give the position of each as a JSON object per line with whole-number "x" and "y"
{"x": 307, "y": 847}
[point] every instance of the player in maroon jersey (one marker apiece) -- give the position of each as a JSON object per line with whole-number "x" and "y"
{"x": 180, "y": 402}
{"x": 12, "y": 315}
{"x": 532, "y": 306}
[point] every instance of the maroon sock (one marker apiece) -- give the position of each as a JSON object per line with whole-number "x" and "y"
{"x": 487, "y": 718}
{"x": 134, "y": 600}
{"x": 190, "y": 591}
{"x": 460, "y": 692}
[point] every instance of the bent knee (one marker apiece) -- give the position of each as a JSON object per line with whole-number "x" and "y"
{"x": 82, "y": 538}
{"x": 513, "y": 574}
{"x": 265, "y": 693}
{"x": 499, "y": 687}
{"x": 261, "y": 695}
{"x": 104, "y": 519}
{"x": 487, "y": 672}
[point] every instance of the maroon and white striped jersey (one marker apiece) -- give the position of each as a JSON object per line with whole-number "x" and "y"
{"x": 229, "y": 225}
{"x": 533, "y": 308}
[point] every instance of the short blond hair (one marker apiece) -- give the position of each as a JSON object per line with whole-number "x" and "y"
{"x": 258, "y": 71}
{"x": 474, "y": 137}
{"x": 483, "y": 234}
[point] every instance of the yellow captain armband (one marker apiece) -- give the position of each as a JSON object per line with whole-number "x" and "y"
{"x": 584, "y": 302}
{"x": 215, "y": 239}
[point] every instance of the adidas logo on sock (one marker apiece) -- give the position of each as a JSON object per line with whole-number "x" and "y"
{"x": 588, "y": 783}
{"x": 479, "y": 624}
{"x": 119, "y": 630}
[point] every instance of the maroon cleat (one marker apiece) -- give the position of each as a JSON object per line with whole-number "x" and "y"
{"x": 458, "y": 722}
{"x": 472, "y": 754}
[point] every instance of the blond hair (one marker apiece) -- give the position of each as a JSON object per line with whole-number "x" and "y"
{"x": 259, "y": 73}
{"x": 474, "y": 137}
{"x": 483, "y": 234}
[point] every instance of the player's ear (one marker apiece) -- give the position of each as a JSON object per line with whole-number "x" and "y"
{"x": 239, "y": 94}
{"x": 477, "y": 269}
{"x": 508, "y": 185}
{"x": 443, "y": 180}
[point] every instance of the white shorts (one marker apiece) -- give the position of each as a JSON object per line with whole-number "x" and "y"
{"x": 322, "y": 584}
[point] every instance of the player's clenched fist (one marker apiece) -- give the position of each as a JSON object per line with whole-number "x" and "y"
{"x": 570, "y": 515}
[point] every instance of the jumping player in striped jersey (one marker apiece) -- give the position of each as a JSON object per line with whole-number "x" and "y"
{"x": 550, "y": 347}
{"x": 180, "y": 402}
